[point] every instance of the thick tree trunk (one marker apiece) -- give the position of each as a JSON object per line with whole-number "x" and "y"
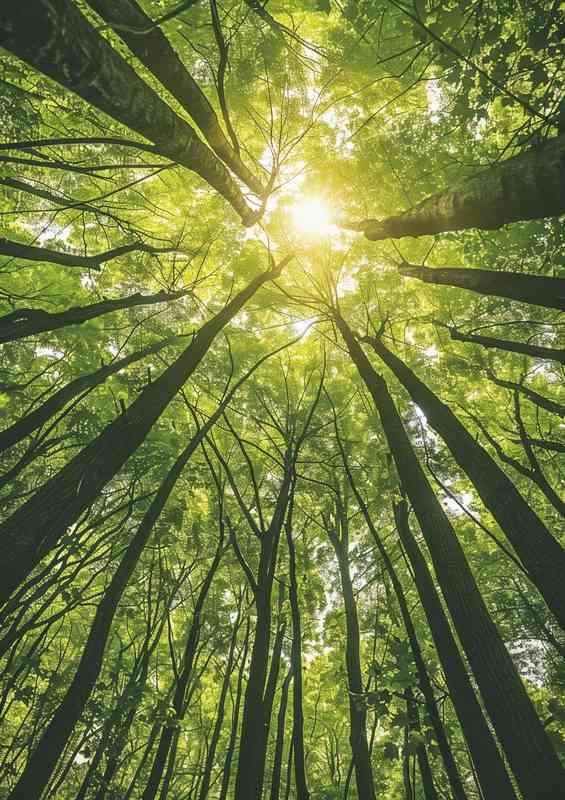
{"x": 43, "y": 413}
{"x": 155, "y": 52}
{"x": 424, "y": 681}
{"x": 230, "y": 749}
{"x": 537, "y": 290}
{"x": 41, "y": 763}
{"x": 530, "y": 185}
{"x": 528, "y": 748}
{"x": 37, "y": 526}
{"x": 181, "y": 683}
{"x": 541, "y": 554}
{"x": 533, "y": 350}
{"x": 30, "y": 321}
{"x": 302, "y": 792}
{"x": 56, "y": 39}
{"x": 339, "y": 538}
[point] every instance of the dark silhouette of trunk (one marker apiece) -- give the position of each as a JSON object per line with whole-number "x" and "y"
{"x": 541, "y": 554}
{"x": 37, "y": 526}
{"x": 270, "y": 692}
{"x": 530, "y": 185}
{"x": 302, "y": 792}
{"x": 430, "y": 792}
{"x": 33, "y": 253}
{"x": 181, "y": 683}
{"x": 43, "y": 413}
{"x": 55, "y": 38}
{"x": 539, "y": 400}
{"x": 153, "y": 49}
{"x": 220, "y": 710}
{"x": 521, "y": 733}
{"x": 230, "y": 749}
{"x": 30, "y": 321}
{"x": 533, "y": 350}
{"x": 424, "y": 681}
{"x": 43, "y": 760}
{"x": 339, "y": 537}
{"x": 279, "y": 743}
{"x": 537, "y": 290}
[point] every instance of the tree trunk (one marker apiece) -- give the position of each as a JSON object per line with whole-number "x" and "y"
{"x": 153, "y": 49}
{"x": 530, "y": 185}
{"x": 533, "y": 350}
{"x": 423, "y": 676}
{"x": 43, "y": 413}
{"x": 528, "y": 748}
{"x": 30, "y": 321}
{"x": 430, "y": 792}
{"x": 179, "y": 697}
{"x": 37, "y": 526}
{"x": 56, "y": 39}
{"x": 541, "y": 554}
{"x": 537, "y": 290}
{"x": 302, "y": 792}
{"x": 339, "y": 538}
{"x": 279, "y": 744}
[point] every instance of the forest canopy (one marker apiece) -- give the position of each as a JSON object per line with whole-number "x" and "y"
{"x": 281, "y": 382}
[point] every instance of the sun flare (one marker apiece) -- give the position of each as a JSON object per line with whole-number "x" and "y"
{"x": 312, "y": 216}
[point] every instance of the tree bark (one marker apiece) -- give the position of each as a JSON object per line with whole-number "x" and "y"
{"x": 26, "y": 322}
{"x": 528, "y": 748}
{"x": 540, "y": 553}
{"x": 56, "y": 39}
{"x": 535, "y": 351}
{"x": 279, "y": 744}
{"x": 155, "y": 52}
{"x": 43, "y": 413}
{"x": 537, "y": 290}
{"x": 530, "y": 185}
{"x": 37, "y": 526}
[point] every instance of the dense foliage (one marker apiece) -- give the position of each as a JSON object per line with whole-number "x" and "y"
{"x": 226, "y": 570}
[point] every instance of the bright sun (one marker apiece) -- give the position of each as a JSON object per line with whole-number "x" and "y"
{"x": 312, "y": 216}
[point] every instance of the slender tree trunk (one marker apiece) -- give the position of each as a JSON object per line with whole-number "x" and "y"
{"x": 539, "y": 552}
{"x": 269, "y": 699}
{"x": 43, "y": 760}
{"x": 534, "y": 397}
{"x": 56, "y": 39}
{"x": 302, "y": 792}
{"x": 424, "y": 682}
{"x": 533, "y": 350}
{"x": 279, "y": 744}
{"x": 153, "y": 49}
{"x": 525, "y": 741}
{"x": 179, "y": 698}
{"x": 530, "y": 185}
{"x": 43, "y": 413}
{"x": 430, "y": 792}
{"x": 30, "y": 321}
{"x": 339, "y": 538}
{"x": 37, "y": 526}
{"x": 537, "y": 290}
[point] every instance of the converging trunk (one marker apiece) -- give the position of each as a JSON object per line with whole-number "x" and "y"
{"x": 537, "y": 290}
{"x": 520, "y": 731}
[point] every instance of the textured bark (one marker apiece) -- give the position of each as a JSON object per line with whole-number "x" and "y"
{"x": 37, "y": 526}
{"x": 30, "y": 321}
{"x": 521, "y": 733}
{"x": 537, "y": 290}
{"x": 339, "y": 537}
{"x": 56, "y": 39}
{"x": 540, "y": 553}
{"x": 535, "y": 351}
{"x": 181, "y": 684}
{"x": 424, "y": 681}
{"x": 530, "y": 185}
{"x": 155, "y": 52}
{"x": 43, "y": 413}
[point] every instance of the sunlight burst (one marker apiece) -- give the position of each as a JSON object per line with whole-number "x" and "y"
{"x": 312, "y": 216}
